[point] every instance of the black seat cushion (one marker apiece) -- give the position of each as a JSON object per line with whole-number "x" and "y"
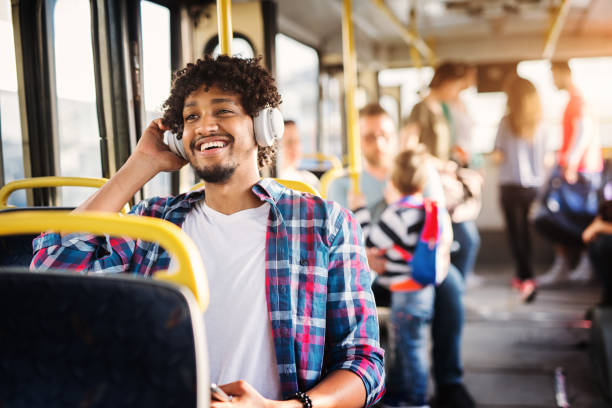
{"x": 16, "y": 250}
{"x": 70, "y": 340}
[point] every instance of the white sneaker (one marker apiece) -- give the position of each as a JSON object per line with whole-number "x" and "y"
{"x": 557, "y": 273}
{"x": 582, "y": 273}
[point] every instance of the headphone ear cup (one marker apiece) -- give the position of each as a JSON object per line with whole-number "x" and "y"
{"x": 268, "y": 126}
{"x": 175, "y": 144}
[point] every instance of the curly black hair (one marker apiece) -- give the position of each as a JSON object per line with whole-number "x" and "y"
{"x": 240, "y": 76}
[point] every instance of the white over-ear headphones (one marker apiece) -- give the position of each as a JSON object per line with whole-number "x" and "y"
{"x": 268, "y": 126}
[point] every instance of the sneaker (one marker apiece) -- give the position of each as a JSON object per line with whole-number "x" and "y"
{"x": 528, "y": 290}
{"x": 453, "y": 396}
{"x": 516, "y": 283}
{"x": 582, "y": 273}
{"x": 556, "y": 274}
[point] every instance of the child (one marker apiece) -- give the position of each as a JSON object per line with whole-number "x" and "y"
{"x": 415, "y": 236}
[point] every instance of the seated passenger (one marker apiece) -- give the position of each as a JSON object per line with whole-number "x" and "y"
{"x": 598, "y": 236}
{"x": 290, "y": 156}
{"x": 414, "y": 236}
{"x": 379, "y": 145}
{"x": 291, "y": 310}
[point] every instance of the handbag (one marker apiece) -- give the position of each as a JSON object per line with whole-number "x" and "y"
{"x": 566, "y": 209}
{"x": 463, "y": 193}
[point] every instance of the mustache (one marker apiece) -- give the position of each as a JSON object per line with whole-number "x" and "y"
{"x": 196, "y": 140}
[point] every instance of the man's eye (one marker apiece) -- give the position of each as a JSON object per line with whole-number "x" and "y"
{"x": 224, "y": 112}
{"x": 189, "y": 118}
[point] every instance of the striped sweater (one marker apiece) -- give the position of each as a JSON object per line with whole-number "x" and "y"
{"x": 410, "y": 234}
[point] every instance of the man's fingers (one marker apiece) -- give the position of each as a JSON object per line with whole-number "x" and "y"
{"x": 236, "y": 388}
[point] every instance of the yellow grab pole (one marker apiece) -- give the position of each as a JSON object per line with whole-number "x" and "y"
{"x": 408, "y": 35}
{"x": 224, "y": 22}
{"x": 554, "y": 31}
{"x": 349, "y": 60}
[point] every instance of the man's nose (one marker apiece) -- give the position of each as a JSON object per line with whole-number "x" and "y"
{"x": 381, "y": 141}
{"x": 207, "y": 124}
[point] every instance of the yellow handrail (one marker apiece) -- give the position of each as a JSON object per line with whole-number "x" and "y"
{"x": 333, "y": 160}
{"x": 190, "y": 271}
{"x": 52, "y": 181}
{"x": 224, "y": 23}
{"x": 329, "y": 176}
{"x": 292, "y": 184}
{"x": 349, "y": 60}
{"x": 555, "y": 28}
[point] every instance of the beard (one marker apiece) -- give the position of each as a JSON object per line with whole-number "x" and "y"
{"x": 217, "y": 173}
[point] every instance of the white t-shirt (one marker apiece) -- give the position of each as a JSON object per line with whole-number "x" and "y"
{"x": 238, "y": 330}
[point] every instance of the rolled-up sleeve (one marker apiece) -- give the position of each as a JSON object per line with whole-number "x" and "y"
{"x": 352, "y": 326}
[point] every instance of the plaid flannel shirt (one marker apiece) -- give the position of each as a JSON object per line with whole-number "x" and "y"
{"x": 318, "y": 282}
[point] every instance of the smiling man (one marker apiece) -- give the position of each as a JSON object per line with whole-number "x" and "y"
{"x": 292, "y": 320}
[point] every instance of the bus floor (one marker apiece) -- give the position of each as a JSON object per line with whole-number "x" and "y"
{"x": 511, "y": 350}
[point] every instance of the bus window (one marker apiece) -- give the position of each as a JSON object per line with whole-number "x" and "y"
{"x": 10, "y": 130}
{"x": 591, "y": 76}
{"x": 157, "y": 76}
{"x": 297, "y": 72}
{"x": 390, "y": 105}
{"x": 79, "y": 144}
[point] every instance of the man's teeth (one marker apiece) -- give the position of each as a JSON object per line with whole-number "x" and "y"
{"x": 212, "y": 145}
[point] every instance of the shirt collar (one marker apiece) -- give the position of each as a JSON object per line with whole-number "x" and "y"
{"x": 266, "y": 189}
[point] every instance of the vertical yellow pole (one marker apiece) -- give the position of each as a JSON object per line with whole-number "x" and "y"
{"x": 350, "y": 82}
{"x": 224, "y": 22}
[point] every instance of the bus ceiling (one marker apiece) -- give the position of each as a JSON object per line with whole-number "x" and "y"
{"x": 470, "y": 30}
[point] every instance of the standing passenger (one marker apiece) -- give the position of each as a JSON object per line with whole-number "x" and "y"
{"x": 579, "y": 156}
{"x": 428, "y": 121}
{"x": 291, "y": 312}
{"x": 521, "y": 148}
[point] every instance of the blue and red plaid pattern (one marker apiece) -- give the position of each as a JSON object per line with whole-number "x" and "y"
{"x": 318, "y": 282}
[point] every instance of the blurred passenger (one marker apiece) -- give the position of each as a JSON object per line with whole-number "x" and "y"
{"x": 521, "y": 149}
{"x": 290, "y": 156}
{"x": 379, "y": 144}
{"x": 598, "y": 236}
{"x": 428, "y": 123}
{"x": 462, "y": 124}
{"x": 414, "y": 236}
{"x": 579, "y": 156}
{"x": 428, "y": 117}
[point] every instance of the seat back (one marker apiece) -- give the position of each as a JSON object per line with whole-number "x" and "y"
{"x": 99, "y": 341}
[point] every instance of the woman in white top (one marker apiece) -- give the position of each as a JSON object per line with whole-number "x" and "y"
{"x": 521, "y": 148}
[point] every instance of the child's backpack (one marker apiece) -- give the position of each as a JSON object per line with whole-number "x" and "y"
{"x": 423, "y": 260}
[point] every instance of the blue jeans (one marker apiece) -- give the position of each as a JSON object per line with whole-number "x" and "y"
{"x": 446, "y": 330}
{"x": 466, "y": 234}
{"x": 411, "y": 313}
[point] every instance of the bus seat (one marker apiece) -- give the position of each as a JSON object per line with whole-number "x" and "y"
{"x": 40, "y": 182}
{"x": 102, "y": 340}
{"x": 328, "y": 177}
{"x": 299, "y": 186}
{"x": 16, "y": 250}
{"x": 71, "y": 340}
